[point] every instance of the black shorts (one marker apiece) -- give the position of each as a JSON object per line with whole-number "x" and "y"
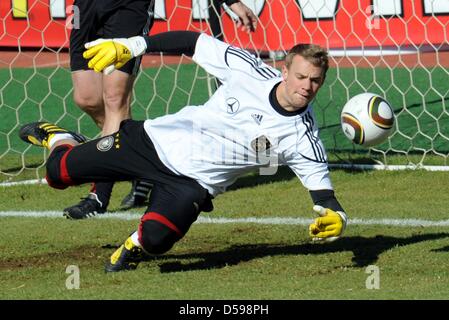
{"x": 109, "y": 19}
{"x": 129, "y": 154}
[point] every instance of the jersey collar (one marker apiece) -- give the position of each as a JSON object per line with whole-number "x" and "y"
{"x": 277, "y": 106}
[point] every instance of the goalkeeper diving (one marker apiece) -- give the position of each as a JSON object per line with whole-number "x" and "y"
{"x": 258, "y": 119}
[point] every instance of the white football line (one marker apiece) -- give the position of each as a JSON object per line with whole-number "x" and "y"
{"x": 24, "y": 182}
{"x": 254, "y": 220}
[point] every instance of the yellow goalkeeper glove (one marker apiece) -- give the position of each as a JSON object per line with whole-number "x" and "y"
{"x": 109, "y": 54}
{"x": 329, "y": 226}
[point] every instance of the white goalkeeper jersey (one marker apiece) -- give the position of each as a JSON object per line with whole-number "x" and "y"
{"x": 241, "y": 128}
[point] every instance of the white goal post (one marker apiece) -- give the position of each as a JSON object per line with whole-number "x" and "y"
{"x": 398, "y": 49}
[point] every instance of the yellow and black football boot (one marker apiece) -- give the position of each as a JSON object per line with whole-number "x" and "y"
{"x": 40, "y": 133}
{"x": 127, "y": 257}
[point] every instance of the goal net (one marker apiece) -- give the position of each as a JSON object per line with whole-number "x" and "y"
{"x": 395, "y": 48}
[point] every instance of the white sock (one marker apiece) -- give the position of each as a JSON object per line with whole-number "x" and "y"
{"x": 58, "y": 137}
{"x": 135, "y": 239}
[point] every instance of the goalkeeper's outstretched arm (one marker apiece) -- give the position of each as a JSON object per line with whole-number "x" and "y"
{"x": 173, "y": 42}
{"x": 331, "y": 223}
{"x": 109, "y": 54}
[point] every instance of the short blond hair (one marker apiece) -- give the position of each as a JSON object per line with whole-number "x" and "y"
{"x": 313, "y": 53}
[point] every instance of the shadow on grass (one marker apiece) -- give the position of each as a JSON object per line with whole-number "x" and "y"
{"x": 365, "y": 251}
{"x": 254, "y": 179}
{"x": 443, "y": 249}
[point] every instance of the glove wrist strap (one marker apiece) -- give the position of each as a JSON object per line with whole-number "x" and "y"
{"x": 138, "y": 45}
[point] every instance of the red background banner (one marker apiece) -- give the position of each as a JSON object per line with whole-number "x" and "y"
{"x": 282, "y": 24}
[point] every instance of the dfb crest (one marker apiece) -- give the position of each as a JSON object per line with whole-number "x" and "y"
{"x": 261, "y": 144}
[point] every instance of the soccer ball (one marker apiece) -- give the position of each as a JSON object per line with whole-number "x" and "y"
{"x": 367, "y": 119}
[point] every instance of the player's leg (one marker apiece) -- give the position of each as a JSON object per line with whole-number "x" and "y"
{"x": 131, "y": 140}
{"x": 122, "y": 19}
{"x": 117, "y": 92}
{"x": 56, "y": 139}
{"x": 87, "y": 84}
{"x": 106, "y": 159}
{"x": 50, "y": 136}
{"x": 130, "y": 18}
{"x": 138, "y": 194}
{"x": 173, "y": 209}
{"x": 88, "y": 95}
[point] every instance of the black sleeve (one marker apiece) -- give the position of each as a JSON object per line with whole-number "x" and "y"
{"x": 173, "y": 42}
{"x": 326, "y": 199}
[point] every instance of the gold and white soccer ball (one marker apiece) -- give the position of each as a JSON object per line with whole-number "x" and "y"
{"x": 367, "y": 119}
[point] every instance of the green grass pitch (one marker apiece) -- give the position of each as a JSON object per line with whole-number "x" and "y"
{"x": 240, "y": 261}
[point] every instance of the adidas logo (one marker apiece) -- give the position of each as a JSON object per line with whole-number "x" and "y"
{"x": 257, "y": 118}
